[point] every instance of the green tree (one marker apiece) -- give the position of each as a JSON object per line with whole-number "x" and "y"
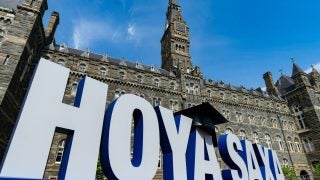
{"x": 99, "y": 172}
{"x": 289, "y": 173}
{"x": 317, "y": 170}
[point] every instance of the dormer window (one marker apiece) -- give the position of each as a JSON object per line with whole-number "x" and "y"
{"x": 152, "y": 68}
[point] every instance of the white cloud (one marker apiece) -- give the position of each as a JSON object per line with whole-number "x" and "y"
{"x": 317, "y": 66}
{"x": 87, "y": 32}
{"x": 264, "y": 88}
{"x": 131, "y": 31}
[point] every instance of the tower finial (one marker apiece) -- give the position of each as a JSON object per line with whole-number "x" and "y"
{"x": 293, "y": 60}
{"x": 173, "y": 2}
{"x": 281, "y": 71}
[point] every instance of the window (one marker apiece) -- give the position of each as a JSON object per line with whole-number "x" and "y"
{"x": 2, "y": 33}
{"x": 103, "y": 71}
{"x": 274, "y": 123}
{"x": 242, "y": 135}
{"x": 285, "y": 162}
{"x": 251, "y": 119}
{"x": 209, "y": 93}
{"x": 82, "y": 67}
{"x": 156, "y": 82}
{"x": 61, "y": 62}
{"x": 239, "y": 117}
{"x": 234, "y": 98}
{"x": 280, "y": 143}
{"x": 139, "y": 79}
{"x": 298, "y": 112}
{"x": 255, "y": 137}
{"x": 156, "y": 101}
{"x": 74, "y": 87}
{"x": 308, "y": 145}
{"x": 222, "y": 95}
{"x": 263, "y": 121}
{"x": 268, "y": 141}
{"x": 60, "y": 151}
{"x": 172, "y": 86}
{"x": 226, "y": 113}
{"x": 122, "y": 75}
{"x": 160, "y": 160}
{"x": 116, "y": 94}
{"x": 291, "y": 145}
{"x": 298, "y": 145}
{"x": 6, "y": 60}
{"x": 173, "y": 105}
{"x": 228, "y": 131}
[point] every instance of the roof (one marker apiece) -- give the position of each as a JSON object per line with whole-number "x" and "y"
{"x": 10, "y": 4}
{"x": 205, "y": 117}
{"x": 296, "y": 70}
{"x": 285, "y": 84}
{"x": 111, "y": 60}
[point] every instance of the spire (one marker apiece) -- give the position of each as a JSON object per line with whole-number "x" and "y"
{"x": 173, "y": 2}
{"x": 296, "y": 69}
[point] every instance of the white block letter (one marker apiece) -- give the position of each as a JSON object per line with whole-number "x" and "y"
{"x": 115, "y": 147}
{"x": 42, "y": 112}
{"x": 174, "y": 140}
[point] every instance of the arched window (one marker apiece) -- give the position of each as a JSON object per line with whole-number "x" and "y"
{"x": 234, "y": 98}
{"x": 298, "y": 145}
{"x": 139, "y": 79}
{"x": 263, "y": 120}
{"x": 268, "y": 141}
{"x": 156, "y": 82}
{"x": 209, "y": 93}
{"x": 242, "y": 135}
{"x": 116, "y": 94}
{"x": 156, "y": 101}
{"x": 255, "y": 137}
{"x": 2, "y": 33}
{"x": 74, "y": 87}
{"x": 61, "y": 62}
{"x": 103, "y": 71}
{"x": 285, "y": 162}
{"x": 291, "y": 145}
{"x": 228, "y": 131}
{"x": 239, "y": 117}
{"x": 6, "y": 60}
{"x": 251, "y": 119}
{"x": 82, "y": 67}
{"x": 222, "y": 95}
{"x": 308, "y": 145}
{"x": 122, "y": 75}
{"x": 172, "y": 86}
{"x": 60, "y": 151}
{"x": 298, "y": 112}
{"x": 274, "y": 123}
{"x": 304, "y": 175}
{"x": 280, "y": 143}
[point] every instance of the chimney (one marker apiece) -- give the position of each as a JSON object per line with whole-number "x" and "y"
{"x": 52, "y": 26}
{"x": 271, "y": 88}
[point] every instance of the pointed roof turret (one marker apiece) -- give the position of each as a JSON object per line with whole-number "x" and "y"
{"x": 296, "y": 69}
{"x": 174, "y": 2}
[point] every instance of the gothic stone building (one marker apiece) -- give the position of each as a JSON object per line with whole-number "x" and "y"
{"x": 285, "y": 117}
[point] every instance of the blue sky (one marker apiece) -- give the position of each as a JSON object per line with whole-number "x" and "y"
{"x": 231, "y": 40}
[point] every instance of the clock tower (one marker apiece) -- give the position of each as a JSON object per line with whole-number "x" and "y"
{"x": 175, "y": 42}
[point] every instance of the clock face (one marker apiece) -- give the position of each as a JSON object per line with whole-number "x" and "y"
{"x": 181, "y": 27}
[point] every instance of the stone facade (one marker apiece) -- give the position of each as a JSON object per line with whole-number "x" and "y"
{"x": 285, "y": 118}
